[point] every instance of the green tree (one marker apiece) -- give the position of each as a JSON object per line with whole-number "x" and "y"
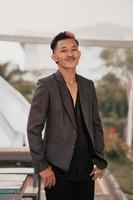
{"x": 11, "y": 74}
{"x": 112, "y": 99}
{"x": 15, "y": 77}
{"x": 121, "y": 62}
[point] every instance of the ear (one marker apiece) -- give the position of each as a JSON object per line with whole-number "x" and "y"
{"x": 54, "y": 58}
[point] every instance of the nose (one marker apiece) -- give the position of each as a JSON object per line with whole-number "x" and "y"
{"x": 69, "y": 53}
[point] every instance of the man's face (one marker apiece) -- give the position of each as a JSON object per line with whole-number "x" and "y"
{"x": 66, "y": 53}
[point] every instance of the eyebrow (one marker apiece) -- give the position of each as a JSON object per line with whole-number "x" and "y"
{"x": 74, "y": 46}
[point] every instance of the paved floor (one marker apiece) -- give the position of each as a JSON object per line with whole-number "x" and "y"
{"x": 101, "y": 191}
{"x": 103, "y": 197}
{"x": 107, "y": 188}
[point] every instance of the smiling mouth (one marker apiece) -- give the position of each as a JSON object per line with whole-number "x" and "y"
{"x": 70, "y": 60}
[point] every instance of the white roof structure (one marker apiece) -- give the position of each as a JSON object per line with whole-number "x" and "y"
{"x": 14, "y": 109}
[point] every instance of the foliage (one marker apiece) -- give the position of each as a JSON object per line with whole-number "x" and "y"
{"x": 112, "y": 97}
{"x": 25, "y": 87}
{"x": 122, "y": 169}
{"x": 118, "y": 163}
{"x": 11, "y": 74}
{"x": 3, "y": 70}
{"x": 120, "y": 61}
{"x": 115, "y": 145}
{"x": 118, "y": 58}
{"x": 15, "y": 77}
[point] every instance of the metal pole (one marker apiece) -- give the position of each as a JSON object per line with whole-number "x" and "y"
{"x": 130, "y": 116}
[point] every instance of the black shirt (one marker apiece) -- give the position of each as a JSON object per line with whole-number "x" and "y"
{"x": 81, "y": 164}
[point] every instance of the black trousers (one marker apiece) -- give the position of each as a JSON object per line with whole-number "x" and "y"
{"x": 70, "y": 190}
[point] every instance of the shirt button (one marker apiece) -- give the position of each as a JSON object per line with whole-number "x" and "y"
{"x": 72, "y": 146}
{"x": 74, "y": 132}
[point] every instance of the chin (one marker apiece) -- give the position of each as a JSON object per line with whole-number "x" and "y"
{"x": 70, "y": 67}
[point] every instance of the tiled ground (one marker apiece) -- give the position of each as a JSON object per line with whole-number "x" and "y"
{"x": 103, "y": 197}
{"x": 101, "y": 191}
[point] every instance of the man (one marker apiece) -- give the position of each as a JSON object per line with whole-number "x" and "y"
{"x": 70, "y": 155}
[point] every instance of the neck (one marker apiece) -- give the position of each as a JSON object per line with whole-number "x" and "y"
{"x": 68, "y": 74}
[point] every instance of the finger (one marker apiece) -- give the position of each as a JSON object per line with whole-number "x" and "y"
{"x": 93, "y": 171}
{"x": 47, "y": 181}
{"x": 94, "y": 177}
{"x": 50, "y": 181}
{"x": 101, "y": 175}
{"x": 54, "y": 180}
{"x": 95, "y": 174}
{"x": 98, "y": 174}
{"x": 43, "y": 179}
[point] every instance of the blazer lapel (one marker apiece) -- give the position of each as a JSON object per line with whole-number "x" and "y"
{"x": 83, "y": 94}
{"x": 65, "y": 97}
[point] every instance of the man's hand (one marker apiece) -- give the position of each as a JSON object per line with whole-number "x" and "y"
{"x": 97, "y": 173}
{"x": 48, "y": 177}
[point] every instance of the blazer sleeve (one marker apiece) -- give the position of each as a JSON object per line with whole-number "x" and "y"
{"x": 35, "y": 126}
{"x": 98, "y": 133}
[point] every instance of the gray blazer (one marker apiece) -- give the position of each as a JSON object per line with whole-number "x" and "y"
{"x": 51, "y": 107}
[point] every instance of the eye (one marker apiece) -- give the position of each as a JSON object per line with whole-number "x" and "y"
{"x": 63, "y": 50}
{"x": 74, "y": 49}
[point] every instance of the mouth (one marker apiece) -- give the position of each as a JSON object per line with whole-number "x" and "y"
{"x": 70, "y": 59}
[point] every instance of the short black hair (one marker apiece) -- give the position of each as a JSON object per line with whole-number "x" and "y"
{"x": 62, "y": 36}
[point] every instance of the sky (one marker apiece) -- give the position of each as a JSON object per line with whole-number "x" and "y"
{"x": 57, "y": 15}
{"x": 46, "y": 16}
